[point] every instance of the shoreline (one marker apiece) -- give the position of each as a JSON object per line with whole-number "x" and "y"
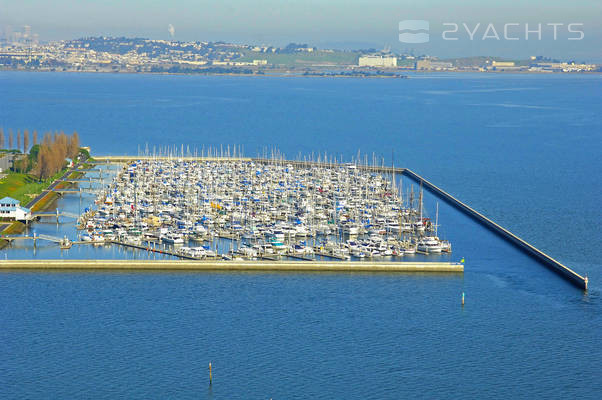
{"x": 40, "y": 202}
{"x": 290, "y": 73}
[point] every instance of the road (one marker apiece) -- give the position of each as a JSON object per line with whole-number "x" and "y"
{"x": 54, "y": 184}
{"x": 3, "y": 227}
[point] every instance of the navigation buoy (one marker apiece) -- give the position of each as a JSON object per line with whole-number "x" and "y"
{"x": 462, "y": 298}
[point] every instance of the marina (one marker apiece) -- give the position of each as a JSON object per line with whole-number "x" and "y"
{"x": 427, "y": 243}
{"x": 230, "y": 208}
{"x": 263, "y": 210}
{"x": 221, "y": 208}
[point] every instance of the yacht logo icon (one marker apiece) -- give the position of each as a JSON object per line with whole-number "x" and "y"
{"x": 414, "y": 31}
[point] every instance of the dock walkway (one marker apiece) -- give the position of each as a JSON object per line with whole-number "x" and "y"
{"x": 235, "y": 265}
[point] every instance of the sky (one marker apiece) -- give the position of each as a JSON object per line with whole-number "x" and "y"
{"x": 328, "y": 23}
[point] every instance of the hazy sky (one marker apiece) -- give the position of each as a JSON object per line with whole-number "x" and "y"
{"x": 325, "y": 23}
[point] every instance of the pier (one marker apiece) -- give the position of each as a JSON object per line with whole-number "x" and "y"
{"x": 12, "y": 238}
{"x": 56, "y": 214}
{"x": 73, "y": 191}
{"x": 235, "y": 265}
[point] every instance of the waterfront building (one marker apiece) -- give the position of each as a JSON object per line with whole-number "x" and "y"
{"x": 11, "y": 209}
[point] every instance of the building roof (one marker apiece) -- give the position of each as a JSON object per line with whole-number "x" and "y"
{"x": 10, "y": 204}
{"x": 24, "y": 209}
{"x": 9, "y": 200}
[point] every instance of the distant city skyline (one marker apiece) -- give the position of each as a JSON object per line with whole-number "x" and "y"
{"x": 487, "y": 28}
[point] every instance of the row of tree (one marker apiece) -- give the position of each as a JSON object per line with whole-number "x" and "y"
{"x": 46, "y": 158}
{"x": 29, "y": 139}
{"x": 52, "y": 153}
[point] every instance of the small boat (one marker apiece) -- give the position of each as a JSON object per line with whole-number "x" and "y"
{"x": 409, "y": 250}
{"x": 445, "y": 246}
{"x": 429, "y": 244}
{"x": 278, "y": 246}
{"x": 173, "y": 239}
{"x": 65, "y": 243}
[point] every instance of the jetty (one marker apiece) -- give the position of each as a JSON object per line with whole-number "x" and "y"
{"x": 235, "y": 265}
{"x": 556, "y": 266}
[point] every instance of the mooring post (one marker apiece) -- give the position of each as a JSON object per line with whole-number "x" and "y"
{"x": 462, "y": 299}
{"x": 57, "y": 215}
{"x": 210, "y": 377}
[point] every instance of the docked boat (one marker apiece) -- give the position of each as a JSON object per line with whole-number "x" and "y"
{"x": 172, "y": 238}
{"x": 262, "y": 208}
{"x": 429, "y": 244}
{"x": 65, "y": 243}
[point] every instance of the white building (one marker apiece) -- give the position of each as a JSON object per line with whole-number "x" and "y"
{"x": 11, "y": 209}
{"x": 378, "y": 61}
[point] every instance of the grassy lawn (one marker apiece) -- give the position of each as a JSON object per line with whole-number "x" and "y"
{"x": 24, "y": 187}
{"x": 19, "y": 186}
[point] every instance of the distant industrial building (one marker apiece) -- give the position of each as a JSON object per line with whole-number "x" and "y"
{"x": 565, "y": 67}
{"x": 378, "y": 61}
{"x": 502, "y": 64}
{"x": 433, "y": 65}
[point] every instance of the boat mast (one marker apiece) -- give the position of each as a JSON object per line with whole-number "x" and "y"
{"x": 437, "y": 219}
{"x": 420, "y": 205}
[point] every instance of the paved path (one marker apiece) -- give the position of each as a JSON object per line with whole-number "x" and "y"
{"x": 4, "y": 226}
{"x": 53, "y": 185}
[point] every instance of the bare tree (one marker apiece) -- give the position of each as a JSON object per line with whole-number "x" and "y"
{"x": 25, "y": 141}
{"x": 73, "y": 146}
{"x": 1, "y": 138}
{"x": 35, "y": 137}
{"x": 55, "y": 147}
{"x": 18, "y": 139}
{"x": 42, "y": 164}
{"x": 10, "y": 139}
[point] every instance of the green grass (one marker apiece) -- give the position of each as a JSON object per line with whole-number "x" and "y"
{"x": 301, "y": 59}
{"x": 22, "y": 187}
{"x": 18, "y": 186}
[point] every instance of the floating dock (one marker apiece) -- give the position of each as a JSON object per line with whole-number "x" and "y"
{"x": 235, "y": 265}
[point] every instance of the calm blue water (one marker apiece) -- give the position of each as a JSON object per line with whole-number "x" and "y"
{"x": 523, "y": 149}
